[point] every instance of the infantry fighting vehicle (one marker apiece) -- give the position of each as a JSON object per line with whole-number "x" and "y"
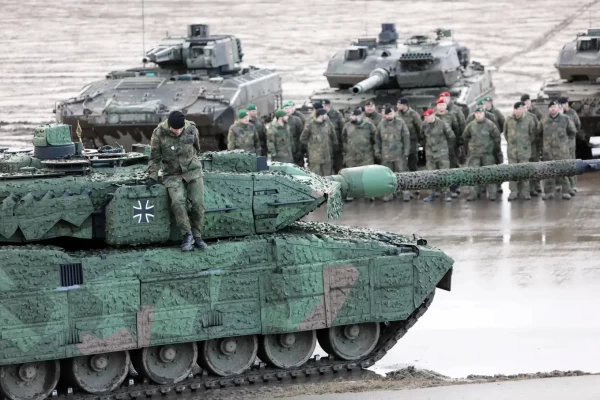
{"x": 578, "y": 65}
{"x": 200, "y": 74}
{"x": 383, "y": 70}
{"x": 91, "y": 281}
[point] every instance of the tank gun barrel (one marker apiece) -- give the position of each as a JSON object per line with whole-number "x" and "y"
{"x": 377, "y": 77}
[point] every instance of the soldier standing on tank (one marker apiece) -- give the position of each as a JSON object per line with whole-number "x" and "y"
{"x": 572, "y": 114}
{"x": 279, "y": 140}
{"x": 392, "y": 146}
{"x": 358, "y": 136}
{"x": 442, "y": 113}
{"x": 295, "y": 127}
{"x": 337, "y": 120}
{"x": 482, "y": 138}
{"x": 536, "y": 148}
{"x": 436, "y": 135}
{"x": 318, "y": 138}
{"x": 519, "y": 131}
{"x": 242, "y": 135}
{"x": 413, "y": 121}
{"x": 372, "y": 114}
{"x": 556, "y": 130}
{"x": 259, "y": 125}
{"x": 175, "y": 144}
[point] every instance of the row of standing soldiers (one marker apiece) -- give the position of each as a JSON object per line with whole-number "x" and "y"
{"x": 391, "y": 137}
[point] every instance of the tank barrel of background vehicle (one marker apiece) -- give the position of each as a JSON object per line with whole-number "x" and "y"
{"x": 377, "y": 180}
{"x": 377, "y": 77}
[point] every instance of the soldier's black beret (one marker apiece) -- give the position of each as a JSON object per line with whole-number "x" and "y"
{"x": 321, "y": 111}
{"x": 389, "y": 110}
{"x": 403, "y": 100}
{"x": 525, "y": 97}
{"x": 357, "y": 111}
{"x": 317, "y": 106}
{"x": 176, "y": 120}
{"x": 563, "y": 100}
{"x": 552, "y": 103}
{"x": 369, "y": 103}
{"x": 326, "y": 101}
{"x": 518, "y": 104}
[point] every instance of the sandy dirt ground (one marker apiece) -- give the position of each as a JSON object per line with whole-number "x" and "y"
{"x": 50, "y": 51}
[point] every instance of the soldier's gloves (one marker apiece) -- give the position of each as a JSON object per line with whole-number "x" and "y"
{"x": 150, "y": 182}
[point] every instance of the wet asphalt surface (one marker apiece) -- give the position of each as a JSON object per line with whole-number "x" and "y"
{"x": 525, "y": 284}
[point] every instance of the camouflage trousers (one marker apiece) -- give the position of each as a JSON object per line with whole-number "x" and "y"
{"x": 323, "y": 169}
{"x": 573, "y": 146}
{"x": 338, "y": 161}
{"x": 440, "y": 163}
{"x": 551, "y": 184}
{"x": 399, "y": 165}
{"x": 482, "y": 161}
{"x": 535, "y": 157}
{"x": 413, "y": 157}
{"x": 521, "y": 187}
{"x": 179, "y": 193}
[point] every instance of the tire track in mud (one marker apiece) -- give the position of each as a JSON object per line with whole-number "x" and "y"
{"x": 544, "y": 37}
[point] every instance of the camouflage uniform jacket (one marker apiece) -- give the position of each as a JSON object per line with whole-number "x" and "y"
{"x": 536, "y": 145}
{"x": 177, "y": 154}
{"x": 520, "y": 133}
{"x": 572, "y": 114}
{"x": 301, "y": 117}
{"x": 337, "y": 120}
{"x": 500, "y": 119}
{"x": 536, "y": 111}
{"x": 375, "y": 117}
{"x": 359, "y": 142}
{"x": 459, "y": 114}
{"x": 483, "y": 139}
{"x": 295, "y": 127}
{"x": 556, "y": 132}
{"x": 243, "y": 137}
{"x": 452, "y": 122}
{"x": 392, "y": 140}
{"x": 279, "y": 142}
{"x": 413, "y": 121}
{"x": 261, "y": 131}
{"x": 437, "y": 137}
{"x": 488, "y": 115}
{"x": 318, "y": 136}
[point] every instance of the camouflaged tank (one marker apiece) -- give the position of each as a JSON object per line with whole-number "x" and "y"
{"x": 578, "y": 65}
{"x": 383, "y": 70}
{"x": 97, "y": 296}
{"x": 201, "y": 75}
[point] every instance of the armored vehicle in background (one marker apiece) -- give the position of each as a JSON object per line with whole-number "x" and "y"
{"x": 200, "y": 75}
{"x": 383, "y": 70}
{"x": 91, "y": 281}
{"x": 578, "y": 65}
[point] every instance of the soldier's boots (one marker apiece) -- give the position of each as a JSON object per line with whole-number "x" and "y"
{"x": 406, "y": 196}
{"x": 513, "y": 196}
{"x": 533, "y": 193}
{"x": 566, "y": 196}
{"x": 188, "y": 242}
{"x": 387, "y": 197}
{"x": 492, "y": 196}
{"x": 472, "y": 195}
{"x": 429, "y": 198}
{"x": 349, "y": 198}
{"x": 499, "y": 190}
{"x": 572, "y": 192}
{"x": 526, "y": 196}
{"x": 199, "y": 243}
{"x": 548, "y": 196}
{"x": 454, "y": 195}
{"x": 447, "y": 197}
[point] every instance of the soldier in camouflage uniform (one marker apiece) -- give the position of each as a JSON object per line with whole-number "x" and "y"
{"x": 442, "y": 113}
{"x": 279, "y": 141}
{"x": 318, "y": 138}
{"x": 358, "y": 136}
{"x": 392, "y": 146}
{"x": 482, "y": 138}
{"x": 242, "y": 135}
{"x": 536, "y": 147}
{"x": 489, "y": 115}
{"x": 337, "y": 120}
{"x": 488, "y": 105}
{"x": 297, "y": 114}
{"x": 519, "y": 131}
{"x": 413, "y": 121}
{"x": 436, "y": 135}
{"x": 456, "y": 110}
{"x": 556, "y": 130}
{"x": 295, "y": 127}
{"x": 259, "y": 125}
{"x": 175, "y": 144}
{"x": 572, "y": 114}
{"x": 372, "y": 114}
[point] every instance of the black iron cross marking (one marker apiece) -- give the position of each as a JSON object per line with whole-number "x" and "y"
{"x": 143, "y": 212}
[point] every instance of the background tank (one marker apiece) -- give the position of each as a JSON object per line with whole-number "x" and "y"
{"x": 420, "y": 68}
{"x": 199, "y": 74}
{"x": 578, "y": 65}
{"x": 88, "y": 274}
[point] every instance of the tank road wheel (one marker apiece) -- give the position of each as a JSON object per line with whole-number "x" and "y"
{"x": 229, "y": 356}
{"x": 170, "y": 363}
{"x": 287, "y": 350}
{"x": 350, "y": 342}
{"x": 29, "y": 381}
{"x": 99, "y": 373}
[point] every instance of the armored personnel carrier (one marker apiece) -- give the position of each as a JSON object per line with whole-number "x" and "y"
{"x": 578, "y": 65}
{"x": 383, "y": 70}
{"x": 200, "y": 74}
{"x": 92, "y": 283}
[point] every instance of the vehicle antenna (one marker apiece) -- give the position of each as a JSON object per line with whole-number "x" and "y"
{"x": 143, "y": 32}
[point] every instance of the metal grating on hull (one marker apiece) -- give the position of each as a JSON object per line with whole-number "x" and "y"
{"x": 139, "y": 83}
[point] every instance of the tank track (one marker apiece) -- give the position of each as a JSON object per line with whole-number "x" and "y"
{"x": 258, "y": 374}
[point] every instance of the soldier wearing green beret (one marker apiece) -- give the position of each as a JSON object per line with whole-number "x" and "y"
{"x": 279, "y": 141}
{"x": 488, "y": 105}
{"x": 489, "y": 115}
{"x": 242, "y": 135}
{"x": 319, "y": 137}
{"x": 297, "y": 114}
{"x": 295, "y": 127}
{"x": 259, "y": 125}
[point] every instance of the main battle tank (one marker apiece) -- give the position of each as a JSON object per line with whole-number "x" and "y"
{"x": 200, "y": 75}
{"x": 420, "y": 69}
{"x": 91, "y": 282}
{"x": 578, "y": 65}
